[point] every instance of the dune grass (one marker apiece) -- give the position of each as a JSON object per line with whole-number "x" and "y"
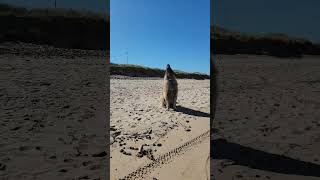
{"x": 61, "y": 28}
{"x": 10, "y": 10}
{"x": 143, "y": 71}
{"x": 224, "y": 41}
{"x": 222, "y": 33}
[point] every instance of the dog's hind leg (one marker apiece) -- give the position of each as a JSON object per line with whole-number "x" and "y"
{"x": 167, "y": 105}
{"x": 162, "y": 101}
{"x": 174, "y": 103}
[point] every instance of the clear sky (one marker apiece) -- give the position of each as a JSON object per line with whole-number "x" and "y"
{"x": 294, "y": 17}
{"x": 160, "y": 32}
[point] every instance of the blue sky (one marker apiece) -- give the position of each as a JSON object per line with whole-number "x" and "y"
{"x": 100, "y": 6}
{"x": 294, "y": 17}
{"x": 160, "y": 32}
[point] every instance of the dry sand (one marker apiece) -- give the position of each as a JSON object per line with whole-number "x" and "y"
{"x": 178, "y": 141}
{"x": 53, "y": 121}
{"x": 53, "y": 124}
{"x": 268, "y": 119}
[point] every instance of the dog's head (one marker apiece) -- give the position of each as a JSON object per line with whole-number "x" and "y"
{"x": 169, "y": 71}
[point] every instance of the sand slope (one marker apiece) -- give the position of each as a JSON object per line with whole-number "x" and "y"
{"x": 52, "y": 117}
{"x": 267, "y": 123}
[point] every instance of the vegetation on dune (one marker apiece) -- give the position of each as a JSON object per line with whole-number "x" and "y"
{"x": 142, "y": 71}
{"x": 10, "y": 10}
{"x": 224, "y": 41}
{"x": 61, "y": 28}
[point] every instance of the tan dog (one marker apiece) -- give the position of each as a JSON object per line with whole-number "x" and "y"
{"x": 169, "y": 95}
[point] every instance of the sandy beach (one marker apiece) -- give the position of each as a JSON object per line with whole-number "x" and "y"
{"x": 267, "y": 121}
{"x": 149, "y": 142}
{"x": 53, "y": 122}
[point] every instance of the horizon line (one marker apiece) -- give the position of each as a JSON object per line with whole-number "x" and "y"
{"x": 194, "y": 72}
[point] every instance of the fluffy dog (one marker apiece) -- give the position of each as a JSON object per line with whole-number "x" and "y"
{"x": 169, "y": 95}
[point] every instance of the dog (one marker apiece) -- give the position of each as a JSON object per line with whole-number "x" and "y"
{"x": 169, "y": 94}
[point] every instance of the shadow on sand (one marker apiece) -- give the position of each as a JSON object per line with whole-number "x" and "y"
{"x": 256, "y": 159}
{"x": 191, "y": 112}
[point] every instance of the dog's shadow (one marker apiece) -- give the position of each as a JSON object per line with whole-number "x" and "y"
{"x": 191, "y": 112}
{"x": 257, "y": 159}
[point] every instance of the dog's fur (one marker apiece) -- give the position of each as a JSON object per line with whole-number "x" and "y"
{"x": 169, "y": 95}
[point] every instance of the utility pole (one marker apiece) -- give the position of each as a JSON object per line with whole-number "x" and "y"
{"x": 55, "y": 4}
{"x": 127, "y": 55}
